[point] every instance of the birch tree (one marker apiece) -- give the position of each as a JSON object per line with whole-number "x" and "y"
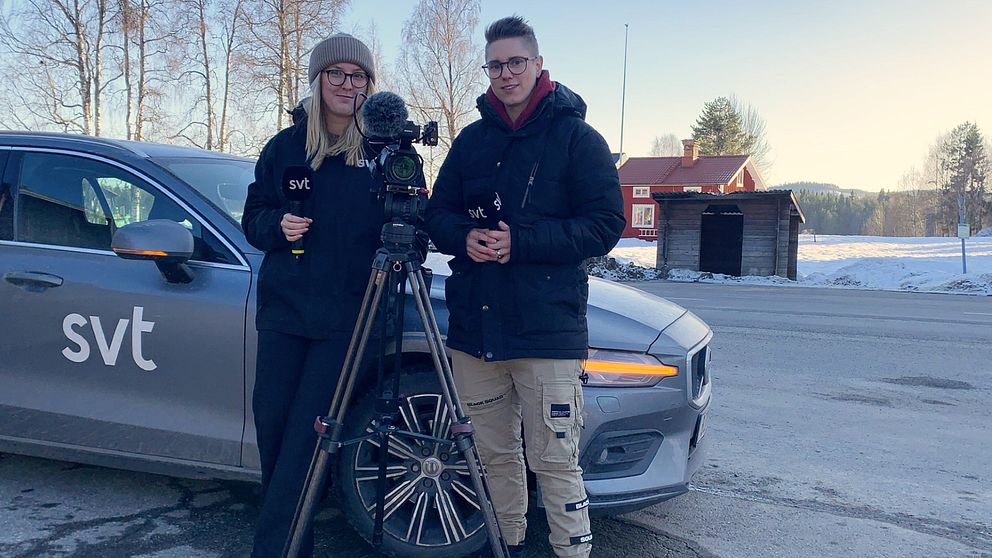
{"x": 280, "y": 34}
{"x": 439, "y": 70}
{"x": 55, "y": 52}
{"x": 666, "y": 146}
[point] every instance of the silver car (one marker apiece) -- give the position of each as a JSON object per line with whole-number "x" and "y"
{"x": 127, "y": 340}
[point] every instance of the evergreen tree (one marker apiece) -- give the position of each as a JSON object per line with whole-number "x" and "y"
{"x": 719, "y": 129}
{"x": 729, "y": 126}
{"x": 966, "y": 167}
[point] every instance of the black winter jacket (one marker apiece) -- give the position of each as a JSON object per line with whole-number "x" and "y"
{"x": 560, "y": 196}
{"x": 318, "y": 297}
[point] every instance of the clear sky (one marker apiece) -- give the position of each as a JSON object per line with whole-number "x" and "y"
{"x": 853, "y": 92}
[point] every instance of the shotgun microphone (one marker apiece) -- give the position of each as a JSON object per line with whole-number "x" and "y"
{"x": 385, "y": 116}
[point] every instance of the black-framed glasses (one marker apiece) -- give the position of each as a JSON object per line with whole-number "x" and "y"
{"x": 517, "y": 65}
{"x": 336, "y": 77}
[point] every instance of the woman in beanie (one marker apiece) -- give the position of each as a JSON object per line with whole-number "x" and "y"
{"x": 308, "y": 305}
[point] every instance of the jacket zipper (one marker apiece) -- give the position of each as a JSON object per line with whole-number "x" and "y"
{"x": 530, "y": 182}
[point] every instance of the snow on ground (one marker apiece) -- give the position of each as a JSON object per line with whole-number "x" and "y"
{"x": 858, "y": 262}
{"x": 862, "y": 262}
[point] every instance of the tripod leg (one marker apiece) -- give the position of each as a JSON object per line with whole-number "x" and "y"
{"x": 462, "y": 425}
{"x": 375, "y": 282}
{"x": 387, "y": 401}
{"x": 323, "y": 452}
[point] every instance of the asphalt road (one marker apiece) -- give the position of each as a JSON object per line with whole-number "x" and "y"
{"x": 845, "y": 423}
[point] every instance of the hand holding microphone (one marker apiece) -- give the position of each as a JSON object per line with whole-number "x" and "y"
{"x": 490, "y": 241}
{"x": 294, "y": 227}
{"x": 297, "y": 183}
{"x": 502, "y": 243}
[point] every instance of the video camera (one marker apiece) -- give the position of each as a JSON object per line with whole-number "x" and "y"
{"x": 397, "y": 167}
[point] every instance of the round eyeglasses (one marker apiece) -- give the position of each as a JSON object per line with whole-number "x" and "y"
{"x": 336, "y": 77}
{"x": 517, "y": 65}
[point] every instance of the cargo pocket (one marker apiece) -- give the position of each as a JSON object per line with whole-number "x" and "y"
{"x": 561, "y": 401}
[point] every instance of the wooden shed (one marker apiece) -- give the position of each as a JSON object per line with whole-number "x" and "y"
{"x": 741, "y": 233}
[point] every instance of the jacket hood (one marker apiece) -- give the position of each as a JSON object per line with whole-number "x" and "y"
{"x": 562, "y": 101}
{"x": 299, "y": 113}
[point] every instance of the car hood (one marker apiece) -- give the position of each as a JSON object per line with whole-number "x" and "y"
{"x": 619, "y": 317}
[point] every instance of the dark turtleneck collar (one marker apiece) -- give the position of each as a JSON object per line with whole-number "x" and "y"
{"x": 541, "y": 90}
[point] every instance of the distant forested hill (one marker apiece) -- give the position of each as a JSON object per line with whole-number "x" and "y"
{"x": 820, "y": 188}
{"x": 833, "y": 210}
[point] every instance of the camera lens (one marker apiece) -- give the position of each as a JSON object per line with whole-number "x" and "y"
{"x": 404, "y": 168}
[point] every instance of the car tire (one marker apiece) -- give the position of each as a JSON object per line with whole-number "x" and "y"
{"x": 431, "y": 508}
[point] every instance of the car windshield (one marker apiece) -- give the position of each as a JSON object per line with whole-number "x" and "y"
{"x": 223, "y": 181}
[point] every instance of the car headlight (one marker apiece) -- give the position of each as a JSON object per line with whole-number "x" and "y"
{"x": 623, "y": 369}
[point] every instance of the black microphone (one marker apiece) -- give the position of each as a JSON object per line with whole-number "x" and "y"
{"x": 485, "y": 209}
{"x": 297, "y": 182}
{"x": 385, "y": 115}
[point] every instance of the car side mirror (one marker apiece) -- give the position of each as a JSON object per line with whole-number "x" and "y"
{"x": 165, "y": 242}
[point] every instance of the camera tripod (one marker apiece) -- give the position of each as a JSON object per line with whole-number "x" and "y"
{"x": 395, "y": 264}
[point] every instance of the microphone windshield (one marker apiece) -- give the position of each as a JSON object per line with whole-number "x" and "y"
{"x": 297, "y": 181}
{"x": 385, "y": 115}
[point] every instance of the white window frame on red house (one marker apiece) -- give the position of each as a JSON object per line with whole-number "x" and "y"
{"x": 640, "y": 224}
{"x": 642, "y": 191}
{"x": 692, "y": 189}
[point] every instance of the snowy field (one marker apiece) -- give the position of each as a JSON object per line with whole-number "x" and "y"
{"x": 860, "y": 262}
{"x": 854, "y": 262}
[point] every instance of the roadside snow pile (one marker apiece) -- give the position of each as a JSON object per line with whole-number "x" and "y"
{"x": 636, "y": 251}
{"x": 877, "y": 275}
{"x": 688, "y": 276}
{"x": 883, "y": 274}
{"x": 861, "y": 262}
{"x": 618, "y": 270}
{"x": 987, "y": 231}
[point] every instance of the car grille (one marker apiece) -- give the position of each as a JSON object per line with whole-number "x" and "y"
{"x": 620, "y": 454}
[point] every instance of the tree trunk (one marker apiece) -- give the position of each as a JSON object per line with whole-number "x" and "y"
{"x": 142, "y": 21}
{"x": 283, "y": 64}
{"x": 126, "y": 16}
{"x": 207, "y": 76}
{"x": 97, "y": 64}
{"x": 82, "y": 63}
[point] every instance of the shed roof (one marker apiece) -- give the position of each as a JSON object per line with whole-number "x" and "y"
{"x": 681, "y": 197}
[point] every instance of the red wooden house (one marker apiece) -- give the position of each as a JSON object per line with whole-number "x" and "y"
{"x": 642, "y": 176}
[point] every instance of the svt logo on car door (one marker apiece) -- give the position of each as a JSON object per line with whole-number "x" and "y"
{"x": 109, "y": 351}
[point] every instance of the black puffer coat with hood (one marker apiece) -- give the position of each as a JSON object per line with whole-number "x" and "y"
{"x": 319, "y": 296}
{"x": 560, "y": 195}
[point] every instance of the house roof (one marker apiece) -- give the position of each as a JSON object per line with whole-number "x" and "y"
{"x": 676, "y": 197}
{"x": 713, "y": 169}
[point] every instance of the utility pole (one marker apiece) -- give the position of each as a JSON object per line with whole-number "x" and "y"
{"x": 964, "y": 231}
{"x": 623, "y": 94}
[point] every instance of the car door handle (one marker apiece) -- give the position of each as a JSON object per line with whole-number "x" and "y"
{"x": 34, "y": 281}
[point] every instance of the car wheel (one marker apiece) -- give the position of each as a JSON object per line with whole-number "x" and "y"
{"x": 431, "y": 507}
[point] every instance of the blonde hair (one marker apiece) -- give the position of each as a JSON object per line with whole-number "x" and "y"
{"x": 320, "y": 142}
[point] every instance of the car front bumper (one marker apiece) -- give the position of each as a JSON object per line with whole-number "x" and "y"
{"x": 640, "y": 446}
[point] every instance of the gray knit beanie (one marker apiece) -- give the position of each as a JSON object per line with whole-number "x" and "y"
{"x": 340, "y": 47}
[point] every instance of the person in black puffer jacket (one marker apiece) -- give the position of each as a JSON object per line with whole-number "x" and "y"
{"x": 307, "y": 309}
{"x": 526, "y": 194}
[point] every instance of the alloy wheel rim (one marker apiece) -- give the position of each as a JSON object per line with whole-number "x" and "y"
{"x": 430, "y": 500}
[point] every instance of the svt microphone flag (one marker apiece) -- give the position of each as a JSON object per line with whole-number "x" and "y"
{"x": 297, "y": 184}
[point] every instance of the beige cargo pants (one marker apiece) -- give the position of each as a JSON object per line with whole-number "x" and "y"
{"x": 545, "y": 397}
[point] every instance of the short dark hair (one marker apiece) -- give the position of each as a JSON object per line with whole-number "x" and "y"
{"x": 512, "y": 27}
